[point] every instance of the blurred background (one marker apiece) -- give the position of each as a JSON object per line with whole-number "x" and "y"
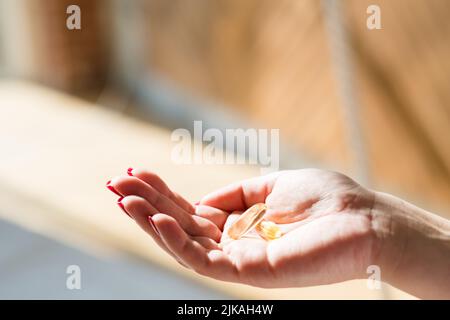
{"x": 80, "y": 106}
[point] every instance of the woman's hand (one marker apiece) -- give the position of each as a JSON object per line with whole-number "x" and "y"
{"x": 326, "y": 218}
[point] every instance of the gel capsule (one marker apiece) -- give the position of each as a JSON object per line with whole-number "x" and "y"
{"x": 252, "y": 218}
{"x": 268, "y": 230}
{"x": 247, "y": 221}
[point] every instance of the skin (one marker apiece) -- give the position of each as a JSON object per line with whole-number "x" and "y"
{"x": 333, "y": 230}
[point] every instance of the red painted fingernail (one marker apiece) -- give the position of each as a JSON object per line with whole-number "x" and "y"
{"x": 150, "y": 220}
{"x": 120, "y": 204}
{"x": 112, "y": 188}
{"x": 130, "y": 171}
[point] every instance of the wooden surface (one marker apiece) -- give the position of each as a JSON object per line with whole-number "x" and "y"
{"x": 57, "y": 154}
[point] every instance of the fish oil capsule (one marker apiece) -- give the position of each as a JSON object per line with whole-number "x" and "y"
{"x": 247, "y": 221}
{"x": 251, "y": 219}
{"x": 268, "y": 230}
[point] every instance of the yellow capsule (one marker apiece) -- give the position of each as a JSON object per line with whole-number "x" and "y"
{"x": 268, "y": 230}
{"x": 252, "y": 218}
{"x": 247, "y": 221}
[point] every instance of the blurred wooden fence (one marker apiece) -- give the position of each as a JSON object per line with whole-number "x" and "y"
{"x": 272, "y": 61}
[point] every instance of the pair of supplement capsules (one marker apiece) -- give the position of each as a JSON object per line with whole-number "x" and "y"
{"x": 253, "y": 218}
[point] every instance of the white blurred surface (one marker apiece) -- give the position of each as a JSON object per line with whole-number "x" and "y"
{"x": 34, "y": 267}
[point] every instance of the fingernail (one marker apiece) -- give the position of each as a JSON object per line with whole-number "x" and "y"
{"x": 112, "y": 188}
{"x": 130, "y": 171}
{"x": 120, "y": 204}
{"x": 150, "y": 220}
{"x": 197, "y": 203}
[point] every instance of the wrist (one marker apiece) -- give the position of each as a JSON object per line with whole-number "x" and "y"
{"x": 413, "y": 246}
{"x": 391, "y": 235}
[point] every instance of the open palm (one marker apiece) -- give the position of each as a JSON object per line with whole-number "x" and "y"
{"x": 325, "y": 218}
